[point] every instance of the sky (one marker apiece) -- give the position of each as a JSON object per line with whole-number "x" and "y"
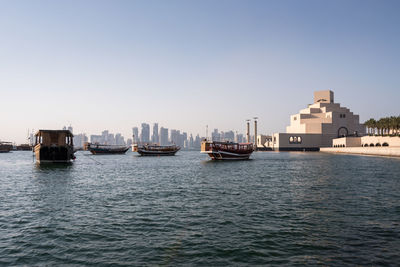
{"x": 112, "y": 65}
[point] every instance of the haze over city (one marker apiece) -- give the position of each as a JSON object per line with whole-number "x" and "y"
{"x": 112, "y": 65}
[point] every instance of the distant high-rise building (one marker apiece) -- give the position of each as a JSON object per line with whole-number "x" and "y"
{"x": 145, "y": 134}
{"x": 96, "y": 139}
{"x": 197, "y": 142}
{"x": 191, "y": 142}
{"x": 119, "y": 139}
{"x": 80, "y": 140}
{"x": 104, "y": 137}
{"x": 215, "y": 136}
{"x": 135, "y": 133}
{"x": 111, "y": 139}
{"x": 107, "y": 138}
{"x": 129, "y": 142}
{"x": 163, "y": 136}
{"x": 175, "y": 136}
{"x": 31, "y": 139}
{"x": 229, "y": 136}
{"x": 154, "y": 137}
{"x": 184, "y": 141}
{"x": 239, "y": 138}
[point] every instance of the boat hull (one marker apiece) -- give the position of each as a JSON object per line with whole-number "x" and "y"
{"x": 5, "y": 148}
{"x": 102, "y": 151}
{"x": 156, "y": 153}
{"x": 58, "y": 154}
{"x": 224, "y": 155}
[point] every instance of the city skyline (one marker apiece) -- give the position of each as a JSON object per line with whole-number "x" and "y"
{"x": 109, "y": 65}
{"x": 162, "y": 136}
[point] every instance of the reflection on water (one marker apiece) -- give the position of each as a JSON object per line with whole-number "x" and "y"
{"x": 278, "y": 208}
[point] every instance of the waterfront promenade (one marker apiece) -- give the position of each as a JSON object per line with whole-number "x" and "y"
{"x": 372, "y": 151}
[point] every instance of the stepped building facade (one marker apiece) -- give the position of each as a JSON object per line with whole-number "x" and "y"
{"x": 317, "y": 125}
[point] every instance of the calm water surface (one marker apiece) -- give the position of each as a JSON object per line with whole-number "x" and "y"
{"x": 278, "y": 208}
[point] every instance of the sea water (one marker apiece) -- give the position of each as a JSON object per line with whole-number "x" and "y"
{"x": 127, "y": 210}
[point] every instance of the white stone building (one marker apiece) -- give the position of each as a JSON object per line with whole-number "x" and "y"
{"x": 317, "y": 125}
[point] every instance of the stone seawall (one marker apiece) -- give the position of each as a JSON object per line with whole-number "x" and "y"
{"x": 375, "y": 151}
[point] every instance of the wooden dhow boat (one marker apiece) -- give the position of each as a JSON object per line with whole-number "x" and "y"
{"x": 155, "y": 150}
{"x": 98, "y": 149}
{"x": 5, "y": 147}
{"x": 24, "y": 147}
{"x": 227, "y": 150}
{"x": 54, "y": 146}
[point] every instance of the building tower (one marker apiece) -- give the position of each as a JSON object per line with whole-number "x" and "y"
{"x": 155, "y": 138}
{"x": 145, "y": 134}
{"x": 135, "y": 134}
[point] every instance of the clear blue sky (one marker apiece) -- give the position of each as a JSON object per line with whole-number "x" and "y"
{"x": 186, "y": 64}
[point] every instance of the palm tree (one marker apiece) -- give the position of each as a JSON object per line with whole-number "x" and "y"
{"x": 368, "y": 124}
{"x": 397, "y": 124}
{"x": 380, "y": 126}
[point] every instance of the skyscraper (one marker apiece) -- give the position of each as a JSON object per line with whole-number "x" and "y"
{"x": 175, "y": 136}
{"x": 135, "y": 133}
{"x": 191, "y": 142}
{"x": 163, "y": 136}
{"x": 154, "y": 137}
{"x": 104, "y": 137}
{"x": 215, "y": 136}
{"x": 229, "y": 136}
{"x": 183, "y": 140}
{"x": 119, "y": 139}
{"x": 145, "y": 134}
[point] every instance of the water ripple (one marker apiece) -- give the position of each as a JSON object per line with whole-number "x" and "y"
{"x": 277, "y": 209}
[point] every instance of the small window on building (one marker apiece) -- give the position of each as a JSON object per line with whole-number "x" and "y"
{"x": 294, "y": 118}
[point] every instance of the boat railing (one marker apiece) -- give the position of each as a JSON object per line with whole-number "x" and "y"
{"x": 233, "y": 146}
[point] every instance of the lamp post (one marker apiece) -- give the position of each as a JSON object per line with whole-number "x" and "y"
{"x": 248, "y": 131}
{"x": 255, "y": 132}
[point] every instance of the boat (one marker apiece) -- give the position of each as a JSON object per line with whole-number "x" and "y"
{"x": 99, "y": 149}
{"x": 155, "y": 150}
{"x": 5, "y": 147}
{"x": 227, "y": 150}
{"x": 24, "y": 147}
{"x": 54, "y": 146}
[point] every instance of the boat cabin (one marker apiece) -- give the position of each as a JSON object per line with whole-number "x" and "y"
{"x": 5, "y": 147}
{"x": 54, "y": 146}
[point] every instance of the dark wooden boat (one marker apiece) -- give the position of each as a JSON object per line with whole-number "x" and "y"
{"x": 5, "y": 147}
{"x": 54, "y": 146}
{"x": 155, "y": 150}
{"x": 227, "y": 150}
{"x": 98, "y": 149}
{"x": 24, "y": 147}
